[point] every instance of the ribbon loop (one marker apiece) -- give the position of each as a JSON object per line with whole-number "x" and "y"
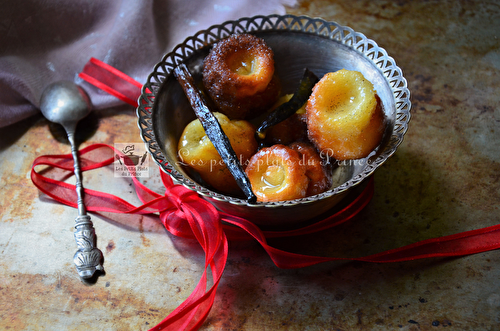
{"x": 112, "y": 81}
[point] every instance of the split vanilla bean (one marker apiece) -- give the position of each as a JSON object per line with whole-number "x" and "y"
{"x": 213, "y": 130}
{"x": 287, "y": 109}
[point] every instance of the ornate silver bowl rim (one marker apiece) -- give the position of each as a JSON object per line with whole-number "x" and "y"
{"x": 317, "y": 27}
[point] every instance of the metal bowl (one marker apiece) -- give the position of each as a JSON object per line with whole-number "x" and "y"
{"x": 298, "y": 42}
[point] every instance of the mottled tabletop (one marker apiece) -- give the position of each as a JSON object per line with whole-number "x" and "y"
{"x": 444, "y": 179}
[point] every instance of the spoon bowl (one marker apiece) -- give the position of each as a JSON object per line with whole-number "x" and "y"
{"x": 65, "y": 103}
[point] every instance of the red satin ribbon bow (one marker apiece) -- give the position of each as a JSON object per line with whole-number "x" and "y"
{"x": 186, "y": 214}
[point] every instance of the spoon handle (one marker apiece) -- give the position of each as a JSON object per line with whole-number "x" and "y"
{"x": 78, "y": 172}
{"x": 88, "y": 258}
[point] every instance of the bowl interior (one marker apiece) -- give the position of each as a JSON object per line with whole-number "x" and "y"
{"x": 315, "y": 44}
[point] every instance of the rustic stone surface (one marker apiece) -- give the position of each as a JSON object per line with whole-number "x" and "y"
{"x": 444, "y": 179}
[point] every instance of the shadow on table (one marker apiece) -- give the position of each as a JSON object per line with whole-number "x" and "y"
{"x": 10, "y": 134}
{"x": 412, "y": 202}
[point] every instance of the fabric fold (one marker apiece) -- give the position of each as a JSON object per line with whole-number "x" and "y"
{"x": 46, "y": 41}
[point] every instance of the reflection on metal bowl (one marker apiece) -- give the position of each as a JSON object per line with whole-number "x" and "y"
{"x": 298, "y": 42}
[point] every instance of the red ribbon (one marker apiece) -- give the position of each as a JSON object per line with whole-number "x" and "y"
{"x": 186, "y": 214}
{"x": 111, "y": 80}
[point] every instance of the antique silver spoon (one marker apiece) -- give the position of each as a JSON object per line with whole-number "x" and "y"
{"x": 66, "y": 103}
